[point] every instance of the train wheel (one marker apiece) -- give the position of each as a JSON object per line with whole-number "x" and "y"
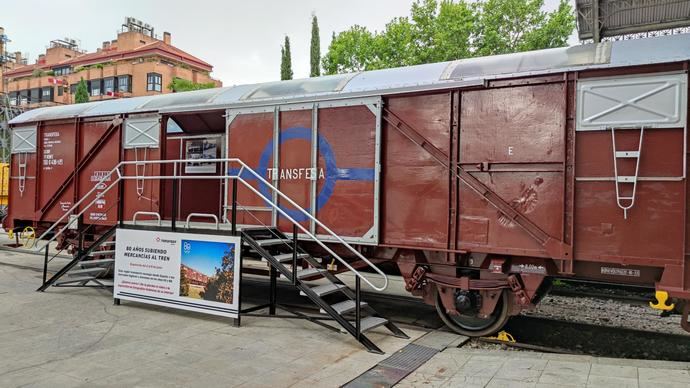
{"x": 470, "y": 324}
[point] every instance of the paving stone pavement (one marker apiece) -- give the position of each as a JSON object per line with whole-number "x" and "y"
{"x": 459, "y": 367}
{"x": 72, "y": 337}
{"x": 68, "y": 337}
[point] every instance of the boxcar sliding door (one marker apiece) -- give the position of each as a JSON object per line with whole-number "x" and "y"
{"x": 323, "y": 156}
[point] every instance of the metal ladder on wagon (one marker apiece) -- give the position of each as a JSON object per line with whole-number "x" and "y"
{"x": 626, "y": 183}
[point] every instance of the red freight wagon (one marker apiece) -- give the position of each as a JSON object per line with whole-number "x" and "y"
{"x": 482, "y": 179}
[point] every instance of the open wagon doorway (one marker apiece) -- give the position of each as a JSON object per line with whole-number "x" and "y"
{"x": 198, "y": 137}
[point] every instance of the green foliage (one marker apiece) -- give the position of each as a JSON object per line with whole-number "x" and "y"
{"x": 50, "y": 73}
{"x": 220, "y": 287}
{"x": 182, "y": 85}
{"x": 508, "y": 26}
{"x": 449, "y": 30}
{"x": 315, "y": 49}
{"x": 351, "y": 50}
{"x": 285, "y": 61}
{"x": 82, "y": 93}
{"x": 38, "y": 73}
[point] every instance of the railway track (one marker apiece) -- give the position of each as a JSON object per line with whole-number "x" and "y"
{"x": 532, "y": 333}
{"x": 628, "y": 294}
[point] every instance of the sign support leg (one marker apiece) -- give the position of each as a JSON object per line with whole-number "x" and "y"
{"x": 273, "y": 291}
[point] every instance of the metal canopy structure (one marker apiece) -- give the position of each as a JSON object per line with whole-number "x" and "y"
{"x": 597, "y": 19}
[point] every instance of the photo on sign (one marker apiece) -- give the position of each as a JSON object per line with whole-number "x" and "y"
{"x": 207, "y": 270}
{"x": 200, "y": 150}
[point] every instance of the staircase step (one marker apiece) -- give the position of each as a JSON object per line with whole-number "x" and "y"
{"x": 309, "y": 272}
{"x": 285, "y": 257}
{"x": 93, "y": 263}
{"x": 272, "y": 241}
{"x": 68, "y": 280}
{"x": 106, "y": 282}
{"x": 369, "y": 323}
{"x": 326, "y": 289}
{"x": 101, "y": 253}
{"x": 83, "y": 271}
{"x": 345, "y": 306}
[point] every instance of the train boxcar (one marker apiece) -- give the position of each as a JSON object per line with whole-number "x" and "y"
{"x": 480, "y": 179}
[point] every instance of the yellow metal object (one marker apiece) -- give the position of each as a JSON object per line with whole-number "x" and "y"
{"x": 661, "y": 299}
{"x": 503, "y": 336}
{"x": 29, "y": 237}
{"x": 10, "y": 234}
{"x": 4, "y": 183}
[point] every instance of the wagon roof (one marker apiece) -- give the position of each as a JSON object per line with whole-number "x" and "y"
{"x": 464, "y": 72}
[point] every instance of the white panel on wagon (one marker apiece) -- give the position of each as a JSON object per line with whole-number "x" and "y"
{"x": 142, "y": 132}
{"x": 651, "y": 101}
{"x": 24, "y": 139}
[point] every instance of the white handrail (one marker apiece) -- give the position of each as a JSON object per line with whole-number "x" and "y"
{"x": 143, "y": 213}
{"x": 243, "y": 168}
{"x": 199, "y": 215}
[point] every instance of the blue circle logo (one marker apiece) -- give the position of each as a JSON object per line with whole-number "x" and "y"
{"x": 332, "y": 173}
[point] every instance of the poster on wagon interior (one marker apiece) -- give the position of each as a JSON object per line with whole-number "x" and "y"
{"x": 187, "y": 271}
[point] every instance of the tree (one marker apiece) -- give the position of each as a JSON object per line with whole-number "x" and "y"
{"x": 182, "y": 85}
{"x": 450, "y": 30}
{"x": 82, "y": 93}
{"x": 315, "y": 49}
{"x": 220, "y": 288}
{"x": 184, "y": 282}
{"x": 286, "y": 61}
{"x": 351, "y": 50}
{"x": 507, "y": 26}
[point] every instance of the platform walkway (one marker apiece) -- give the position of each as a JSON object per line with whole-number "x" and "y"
{"x": 71, "y": 337}
{"x": 462, "y": 367}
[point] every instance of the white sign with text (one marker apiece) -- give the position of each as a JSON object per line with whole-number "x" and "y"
{"x": 196, "y": 272}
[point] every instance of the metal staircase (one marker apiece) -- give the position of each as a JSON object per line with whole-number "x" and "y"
{"x": 283, "y": 255}
{"x": 88, "y": 267}
{"x": 334, "y": 298}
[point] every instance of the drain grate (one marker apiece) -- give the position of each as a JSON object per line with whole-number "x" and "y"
{"x": 409, "y": 358}
{"x": 394, "y": 368}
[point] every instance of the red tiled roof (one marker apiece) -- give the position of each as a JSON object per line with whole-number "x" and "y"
{"x": 157, "y": 47}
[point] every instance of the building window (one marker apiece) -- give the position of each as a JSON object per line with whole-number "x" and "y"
{"x": 61, "y": 90}
{"x": 47, "y": 94}
{"x": 109, "y": 86}
{"x": 62, "y": 70}
{"x": 154, "y": 82}
{"x": 73, "y": 88}
{"x": 14, "y": 98}
{"x": 34, "y": 96}
{"x": 95, "y": 87}
{"x": 24, "y": 97}
{"x": 124, "y": 84}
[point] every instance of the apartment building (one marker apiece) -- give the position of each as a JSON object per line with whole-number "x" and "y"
{"x": 137, "y": 63}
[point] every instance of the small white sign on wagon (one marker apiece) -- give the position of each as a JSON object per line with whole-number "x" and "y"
{"x": 187, "y": 271}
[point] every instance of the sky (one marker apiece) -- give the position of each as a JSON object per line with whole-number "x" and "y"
{"x": 204, "y": 256}
{"x": 240, "y": 38}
